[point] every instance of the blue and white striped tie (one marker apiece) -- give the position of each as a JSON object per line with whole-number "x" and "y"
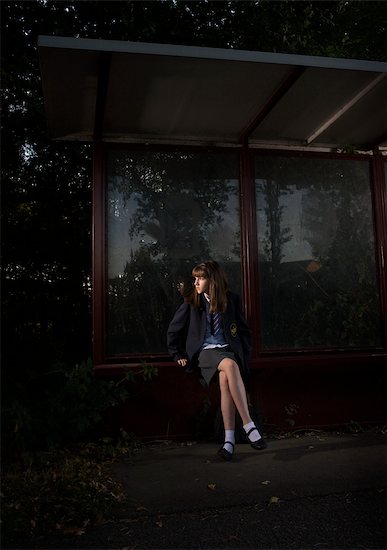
{"x": 215, "y": 323}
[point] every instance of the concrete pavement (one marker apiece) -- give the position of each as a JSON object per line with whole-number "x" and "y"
{"x": 311, "y": 492}
{"x": 168, "y": 478}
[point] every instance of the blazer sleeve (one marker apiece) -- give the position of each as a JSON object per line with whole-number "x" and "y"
{"x": 176, "y": 332}
{"x": 244, "y": 331}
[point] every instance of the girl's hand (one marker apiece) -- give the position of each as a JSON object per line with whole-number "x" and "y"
{"x": 182, "y": 362}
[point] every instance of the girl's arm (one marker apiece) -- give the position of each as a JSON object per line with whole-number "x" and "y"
{"x": 175, "y": 334}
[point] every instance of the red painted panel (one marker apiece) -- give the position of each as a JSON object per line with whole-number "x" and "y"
{"x": 174, "y": 405}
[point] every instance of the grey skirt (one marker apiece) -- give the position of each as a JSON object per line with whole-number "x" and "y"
{"x": 209, "y": 360}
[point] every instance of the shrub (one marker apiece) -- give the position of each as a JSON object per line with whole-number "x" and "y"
{"x": 61, "y": 406}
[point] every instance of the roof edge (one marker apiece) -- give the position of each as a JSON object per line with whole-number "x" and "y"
{"x": 120, "y": 46}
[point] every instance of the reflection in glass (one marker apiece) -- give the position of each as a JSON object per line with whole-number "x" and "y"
{"x": 165, "y": 213}
{"x": 316, "y": 253}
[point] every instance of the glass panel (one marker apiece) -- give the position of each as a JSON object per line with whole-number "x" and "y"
{"x": 165, "y": 213}
{"x": 316, "y": 253}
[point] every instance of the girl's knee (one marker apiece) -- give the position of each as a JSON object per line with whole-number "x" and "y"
{"x": 228, "y": 367}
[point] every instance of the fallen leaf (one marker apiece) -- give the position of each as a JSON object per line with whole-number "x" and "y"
{"x": 73, "y": 531}
{"x": 211, "y": 486}
{"x": 267, "y": 482}
{"x": 273, "y": 500}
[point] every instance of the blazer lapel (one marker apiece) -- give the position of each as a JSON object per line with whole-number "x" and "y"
{"x": 203, "y": 317}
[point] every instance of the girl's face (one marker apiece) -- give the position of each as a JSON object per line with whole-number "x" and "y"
{"x": 201, "y": 284}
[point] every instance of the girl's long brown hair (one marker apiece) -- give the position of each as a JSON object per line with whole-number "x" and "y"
{"x": 217, "y": 285}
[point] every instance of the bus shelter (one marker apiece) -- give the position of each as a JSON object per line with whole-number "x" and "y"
{"x": 274, "y": 165}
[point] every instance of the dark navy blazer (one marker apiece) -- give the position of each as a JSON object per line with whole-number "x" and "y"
{"x": 192, "y": 322}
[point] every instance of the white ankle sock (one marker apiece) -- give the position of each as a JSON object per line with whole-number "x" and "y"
{"x": 229, "y": 435}
{"x": 255, "y": 435}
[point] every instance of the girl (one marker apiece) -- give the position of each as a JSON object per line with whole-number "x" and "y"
{"x": 217, "y": 340}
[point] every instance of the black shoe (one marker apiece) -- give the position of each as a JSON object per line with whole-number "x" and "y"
{"x": 257, "y": 445}
{"x": 224, "y": 453}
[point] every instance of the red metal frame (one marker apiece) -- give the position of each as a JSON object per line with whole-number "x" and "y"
{"x": 98, "y": 216}
{"x": 98, "y": 240}
{"x": 249, "y": 261}
{"x": 249, "y": 245}
{"x": 378, "y": 188}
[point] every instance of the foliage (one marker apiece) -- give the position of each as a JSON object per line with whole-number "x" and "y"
{"x": 61, "y": 406}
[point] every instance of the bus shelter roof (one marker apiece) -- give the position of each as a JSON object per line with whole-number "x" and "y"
{"x": 162, "y": 93}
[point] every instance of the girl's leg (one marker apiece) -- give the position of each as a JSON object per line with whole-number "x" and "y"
{"x": 228, "y": 413}
{"x": 226, "y": 403}
{"x": 230, "y": 370}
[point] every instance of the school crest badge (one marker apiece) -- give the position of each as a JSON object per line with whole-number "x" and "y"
{"x": 233, "y": 330}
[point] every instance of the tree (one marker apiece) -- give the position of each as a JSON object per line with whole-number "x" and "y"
{"x": 46, "y": 185}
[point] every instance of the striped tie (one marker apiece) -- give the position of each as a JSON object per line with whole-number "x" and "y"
{"x": 215, "y": 323}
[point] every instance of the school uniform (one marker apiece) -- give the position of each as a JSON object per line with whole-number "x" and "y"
{"x": 235, "y": 336}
